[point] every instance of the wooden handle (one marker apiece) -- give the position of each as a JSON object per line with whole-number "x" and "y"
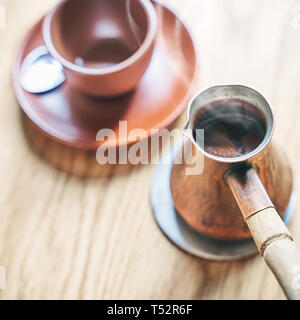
{"x": 270, "y": 234}
{"x": 276, "y": 245}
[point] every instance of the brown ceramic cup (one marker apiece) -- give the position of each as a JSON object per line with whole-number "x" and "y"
{"x": 105, "y": 46}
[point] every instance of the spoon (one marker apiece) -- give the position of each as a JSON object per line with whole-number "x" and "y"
{"x": 41, "y": 72}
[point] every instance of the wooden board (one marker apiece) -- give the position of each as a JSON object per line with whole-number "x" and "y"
{"x": 87, "y": 232}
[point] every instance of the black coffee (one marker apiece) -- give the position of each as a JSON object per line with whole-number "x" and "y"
{"x": 231, "y": 127}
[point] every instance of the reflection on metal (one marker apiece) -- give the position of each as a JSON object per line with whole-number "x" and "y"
{"x": 41, "y": 72}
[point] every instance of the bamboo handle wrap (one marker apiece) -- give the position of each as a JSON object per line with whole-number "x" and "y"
{"x": 276, "y": 245}
{"x": 270, "y": 234}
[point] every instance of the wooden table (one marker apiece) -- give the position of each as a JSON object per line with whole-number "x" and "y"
{"x": 72, "y": 229}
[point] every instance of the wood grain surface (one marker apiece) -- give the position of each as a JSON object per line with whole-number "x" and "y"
{"x": 70, "y": 229}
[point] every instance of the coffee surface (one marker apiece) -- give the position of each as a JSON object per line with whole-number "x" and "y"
{"x": 231, "y": 128}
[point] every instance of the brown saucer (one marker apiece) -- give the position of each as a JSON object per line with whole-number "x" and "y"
{"x": 74, "y": 119}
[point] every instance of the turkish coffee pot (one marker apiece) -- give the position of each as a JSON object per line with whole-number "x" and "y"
{"x": 246, "y": 183}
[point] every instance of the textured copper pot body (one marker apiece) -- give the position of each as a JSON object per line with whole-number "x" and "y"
{"x": 205, "y": 201}
{"x": 105, "y": 46}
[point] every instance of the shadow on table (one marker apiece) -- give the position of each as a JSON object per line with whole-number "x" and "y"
{"x": 76, "y": 162}
{"x": 214, "y": 277}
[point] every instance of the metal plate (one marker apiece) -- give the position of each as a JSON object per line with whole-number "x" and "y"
{"x": 186, "y": 238}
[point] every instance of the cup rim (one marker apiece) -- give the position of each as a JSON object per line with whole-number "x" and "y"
{"x": 139, "y": 53}
{"x": 245, "y": 157}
